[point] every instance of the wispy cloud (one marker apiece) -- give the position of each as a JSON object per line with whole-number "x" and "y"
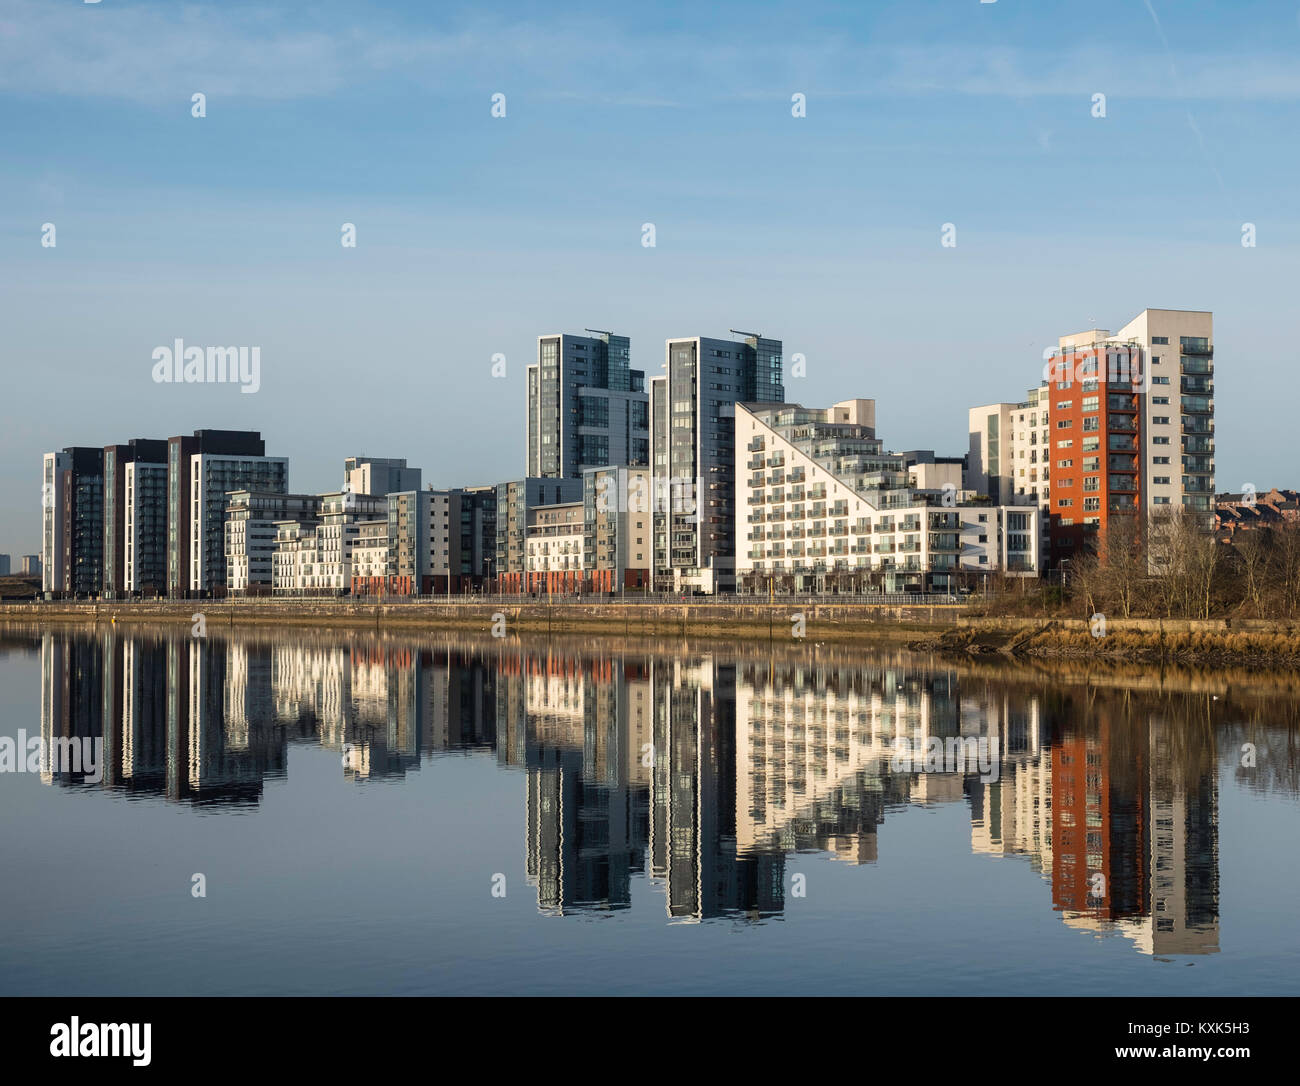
{"x": 152, "y": 53}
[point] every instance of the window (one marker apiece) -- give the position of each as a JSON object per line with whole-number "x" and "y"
{"x": 1092, "y": 403}
{"x": 1066, "y": 444}
{"x": 1065, "y": 463}
{"x": 1160, "y": 380}
{"x": 1065, "y": 503}
{"x": 1063, "y": 424}
{"x": 1161, "y": 480}
{"x": 1159, "y": 441}
{"x": 1160, "y": 399}
{"x": 1160, "y": 501}
{"x": 1160, "y": 420}
{"x": 1160, "y": 460}
{"x": 1160, "y": 339}
{"x": 1092, "y": 422}
{"x": 1091, "y": 505}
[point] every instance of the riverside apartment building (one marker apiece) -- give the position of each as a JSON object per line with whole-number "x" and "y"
{"x": 1122, "y": 423}
{"x": 821, "y": 507}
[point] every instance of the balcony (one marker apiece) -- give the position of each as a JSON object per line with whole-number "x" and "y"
{"x": 1121, "y": 444}
{"x": 1197, "y": 386}
{"x": 1122, "y": 424}
{"x": 1197, "y": 350}
{"x": 1198, "y": 405}
{"x": 1198, "y": 465}
{"x": 944, "y": 543}
{"x": 1203, "y": 445}
{"x": 1197, "y": 365}
{"x": 1193, "y": 484}
{"x": 939, "y": 521}
{"x": 910, "y": 524}
{"x": 885, "y": 526}
{"x": 755, "y": 464}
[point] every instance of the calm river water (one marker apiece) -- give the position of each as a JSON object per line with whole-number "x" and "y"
{"x": 298, "y": 812}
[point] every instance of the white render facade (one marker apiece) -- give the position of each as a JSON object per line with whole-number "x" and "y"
{"x": 1009, "y": 459}
{"x": 802, "y": 526}
{"x": 555, "y": 538}
{"x": 252, "y": 517}
{"x": 314, "y": 557}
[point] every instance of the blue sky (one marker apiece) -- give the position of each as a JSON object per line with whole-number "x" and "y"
{"x": 475, "y": 233}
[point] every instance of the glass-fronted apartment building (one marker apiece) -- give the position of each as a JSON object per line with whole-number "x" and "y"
{"x": 201, "y": 470}
{"x": 144, "y": 528}
{"x": 123, "y": 489}
{"x": 586, "y": 406}
{"x": 693, "y": 449}
{"x": 72, "y": 522}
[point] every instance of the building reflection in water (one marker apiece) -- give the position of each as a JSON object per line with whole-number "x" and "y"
{"x": 700, "y": 772}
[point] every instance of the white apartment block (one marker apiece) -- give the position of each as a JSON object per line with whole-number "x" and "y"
{"x": 212, "y": 477}
{"x": 820, "y": 507}
{"x": 252, "y": 519}
{"x": 1177, "y": 466}
{"x": 314, "y": 557}
{"x": 555, "y": 538}
{"x": 1009, "y": 459}
{"x": 54, "y": 464}
{"x": 370, "y": 549}
{"x": 619, "y": 531}
{"x": 1010, "y": 450}
{"x": 379, "y": 476}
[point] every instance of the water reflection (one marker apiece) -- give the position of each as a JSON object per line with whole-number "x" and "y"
{"x": 703, "y": 770}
